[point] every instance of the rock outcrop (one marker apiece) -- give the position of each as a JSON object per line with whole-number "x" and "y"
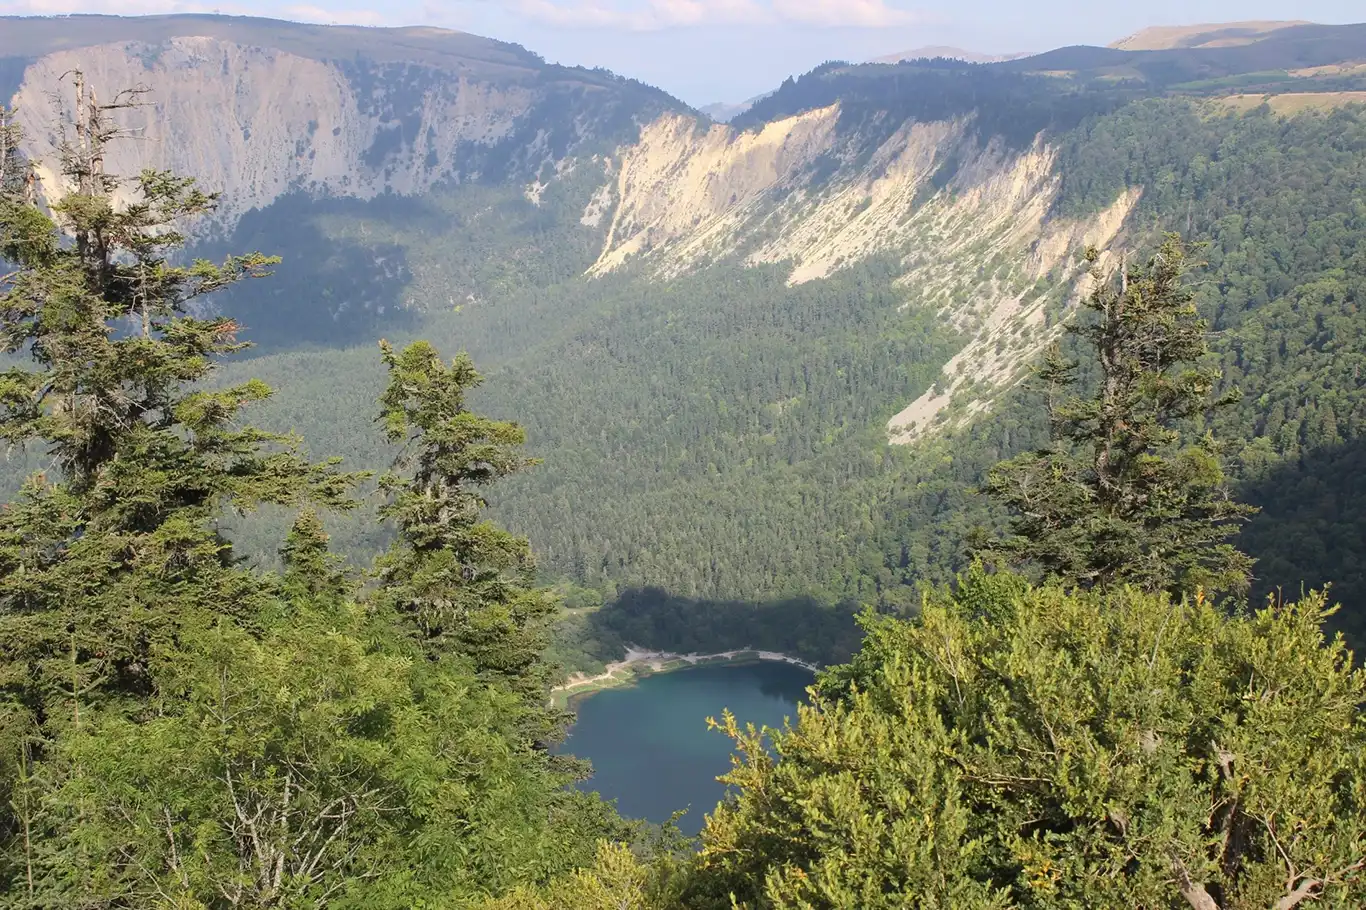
{"x": 258, "y": 110}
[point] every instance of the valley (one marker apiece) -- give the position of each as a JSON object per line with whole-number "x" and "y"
{"x": 747, "y": 410}
{"x": 744, "y": 350}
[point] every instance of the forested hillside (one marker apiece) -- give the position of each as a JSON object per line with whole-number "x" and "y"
{"x": 720, "y": 434}
{"x": 273, "y": 629}
{"x": 712, "y": 405}
{"x": 1281, "y": 203}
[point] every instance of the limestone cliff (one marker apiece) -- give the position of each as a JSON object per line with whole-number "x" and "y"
{"x": 970, "y": 218}
{"x": 255, "y": 108}
{"x": 258, "y": 109}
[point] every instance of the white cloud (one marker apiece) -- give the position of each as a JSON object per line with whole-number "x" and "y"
{"x": 657, "y": 14}
{"x": 853, "y": 13}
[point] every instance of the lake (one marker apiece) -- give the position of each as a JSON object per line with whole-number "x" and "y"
{"x": 649, "y": 744}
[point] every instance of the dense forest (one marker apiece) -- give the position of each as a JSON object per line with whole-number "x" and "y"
{"x": 720, "y": 435}
{"x": 1281, "y": 206}
{"x": 1082, "y": 719}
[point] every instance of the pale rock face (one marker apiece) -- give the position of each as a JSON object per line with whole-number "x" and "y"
{"x": 1007, "y": 327}
{"x": 684, "y": 185}
{"x": 971, "y": 218}
{"x": 254, "y": 123}
{"x": 973, "y": 222}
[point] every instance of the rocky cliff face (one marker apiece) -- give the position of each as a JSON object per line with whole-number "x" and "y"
{"x": 257, "y": 109}
{"x": 971, "y": 220}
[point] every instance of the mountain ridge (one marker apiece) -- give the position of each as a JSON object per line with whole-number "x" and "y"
{"x": 369, "y": 111}
{"x": 1209, "y": 34}
{"x": 717, "y": 334}
{"x": 33, "y": 36}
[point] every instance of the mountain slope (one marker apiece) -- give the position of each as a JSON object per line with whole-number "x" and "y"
{"x": 424, "y": 131}
{"x": 1222, "y": 34}
{"x": 756, "y": 357}
{"x": 1282, "y": 57}
{"x": 724, "y": 112}
{"x": 368, "y": 110}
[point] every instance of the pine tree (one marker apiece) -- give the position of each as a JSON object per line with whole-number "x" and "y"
{"x": 16, "y": 175}
{"x": 1116, "y": 499}
{"x": 310, "y": 567}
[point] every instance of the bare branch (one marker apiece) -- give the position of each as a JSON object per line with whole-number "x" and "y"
{"x": 1305, "y": 890}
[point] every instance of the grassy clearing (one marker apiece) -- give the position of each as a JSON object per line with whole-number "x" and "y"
{"x": 1290, "y": 103}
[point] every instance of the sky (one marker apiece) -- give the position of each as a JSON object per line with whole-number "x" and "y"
{"x": 705, "y": 51}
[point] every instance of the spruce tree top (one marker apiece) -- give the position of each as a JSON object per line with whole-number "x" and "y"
{"x": 1116, "y": 498}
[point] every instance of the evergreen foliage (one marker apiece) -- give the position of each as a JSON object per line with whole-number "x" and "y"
{"x": 720, "y": 435}
{"x": 617, "y": 880}
{"x": 302, "y": 767}
{"x": 463, "y": 584}
{"x": 1026, "y": 747}
{"x": 183, "y": 731}
{"x": 1116, "y": 500}
{"x": 113, "y": 556}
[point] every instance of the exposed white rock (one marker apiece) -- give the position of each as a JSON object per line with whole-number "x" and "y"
{"x": 974, "y": 221}
{"x": 254, "y": 122}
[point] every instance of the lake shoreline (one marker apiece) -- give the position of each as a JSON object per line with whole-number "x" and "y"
{"x": 640, "y": 662}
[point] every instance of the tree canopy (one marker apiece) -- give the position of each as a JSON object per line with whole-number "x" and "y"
{"x": 183, "y": 731}
{"x": 1018, "y": 746}
{"x": 1117, "y": 499}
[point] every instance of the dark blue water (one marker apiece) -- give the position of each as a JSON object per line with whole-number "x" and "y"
{"x": 649, "y": 744}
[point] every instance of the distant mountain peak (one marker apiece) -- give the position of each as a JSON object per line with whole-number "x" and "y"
{"x": 726, "y": 111}
{"x": 1210, "y": 34}
{"x": 929, "y": 52}
{"x": 369, "y": 111}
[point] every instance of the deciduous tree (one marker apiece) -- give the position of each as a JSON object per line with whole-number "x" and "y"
{"x": 1030, "y": 747}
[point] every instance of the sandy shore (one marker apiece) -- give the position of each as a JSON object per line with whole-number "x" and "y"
{"x": 637, "y": 658}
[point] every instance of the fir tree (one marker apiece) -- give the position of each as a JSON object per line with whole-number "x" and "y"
{"x": 183, "y": 731}
{"x": 464, "y": 584}
{"x": 108, "y": 555}
{"x": 1115, "y": 499}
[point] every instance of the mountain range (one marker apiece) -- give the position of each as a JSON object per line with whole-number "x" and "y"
{"x": 1224, "y": 34}
{"x": 772, "y": 356}
{"x": 724, "y": 112}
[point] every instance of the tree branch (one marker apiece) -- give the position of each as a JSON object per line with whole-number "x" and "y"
{"x": 1194, "y": 892}
{"x": 1305, "y": 890}
{"x": 1309, "y": 887}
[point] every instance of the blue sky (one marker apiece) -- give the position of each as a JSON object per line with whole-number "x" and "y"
{"x": 729, "y": 50}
